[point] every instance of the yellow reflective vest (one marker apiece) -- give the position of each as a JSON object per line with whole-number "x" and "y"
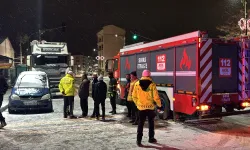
{"x": 145, "y": 99}
{"x": 132, "y": 83}
{"x": 66, "y": 85}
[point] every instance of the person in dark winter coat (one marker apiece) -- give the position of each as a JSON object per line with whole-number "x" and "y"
{"x": 112, "y": 92}
{"x": 3, "y": 90}
{"x": 100, "y": 96}
{"x": 83, "y": 93}
{"x": 95, "y": 80}
{"x": 129, "y": 107}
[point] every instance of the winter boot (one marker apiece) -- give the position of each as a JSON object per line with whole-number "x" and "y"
{"x": 135, "y": 123}
{"x": 4, "y": 123}
{"x": 152, "y": 140}
{"x": 138, "y": 142}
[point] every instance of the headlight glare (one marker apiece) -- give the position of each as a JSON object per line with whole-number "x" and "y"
{"x": 14, "y": 97}
{"x": 46, "y": 97}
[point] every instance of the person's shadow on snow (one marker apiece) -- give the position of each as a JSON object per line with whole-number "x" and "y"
{"x": 159, "y": 147}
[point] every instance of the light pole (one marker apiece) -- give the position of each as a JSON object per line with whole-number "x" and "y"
{"x": 124, "y": 38}
{"x": 21, "y": 55}
{"x": 244, "y": 2}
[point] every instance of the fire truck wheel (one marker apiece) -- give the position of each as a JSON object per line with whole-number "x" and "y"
{"x": 229, "y": 108}
{"x": 166, "y": 106}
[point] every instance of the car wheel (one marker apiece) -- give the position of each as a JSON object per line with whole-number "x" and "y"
{"x": 10, "y": 111}
{"x": 51, "y": 108}
{"x": 166, "y": 106}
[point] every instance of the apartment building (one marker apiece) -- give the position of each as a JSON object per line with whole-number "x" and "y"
{"x": 110, "y": 40}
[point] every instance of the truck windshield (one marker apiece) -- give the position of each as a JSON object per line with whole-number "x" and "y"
{"x": 50, "y": 59}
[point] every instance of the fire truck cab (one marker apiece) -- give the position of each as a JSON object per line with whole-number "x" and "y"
{"x": 196, "y": 76}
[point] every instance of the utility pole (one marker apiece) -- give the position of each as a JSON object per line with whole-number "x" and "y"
{"x": 39, "y": 32}
{"x": 21, "y": 55}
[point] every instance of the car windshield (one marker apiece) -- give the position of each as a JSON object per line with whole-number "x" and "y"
{"x": 31, "y": 80}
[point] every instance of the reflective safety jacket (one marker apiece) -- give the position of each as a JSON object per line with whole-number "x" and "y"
{"x": 66, "y": 85}
{"x": 132, "y": 83}
{"x": 112, "y": 86}
{"x": 145, "y": 94}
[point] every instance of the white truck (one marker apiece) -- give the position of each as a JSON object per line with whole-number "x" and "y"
{"x": 52, "y": 58}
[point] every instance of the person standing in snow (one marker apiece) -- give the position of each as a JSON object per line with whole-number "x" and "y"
{"x": 84, "y": 94}
{"x": 100, "y": 97}
{"x": 95, "y": 80}
{"x": 67, "y": 88}
{"x": 3, "y": 90}
{"x": 145, "y": 95}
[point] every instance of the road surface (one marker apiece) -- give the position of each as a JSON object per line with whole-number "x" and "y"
{"x": 52, "y": 131}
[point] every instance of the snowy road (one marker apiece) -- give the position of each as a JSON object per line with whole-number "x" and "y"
{"x": 51, "y": 131}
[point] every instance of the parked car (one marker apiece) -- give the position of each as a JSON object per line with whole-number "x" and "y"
{"x": 31, "y": 92}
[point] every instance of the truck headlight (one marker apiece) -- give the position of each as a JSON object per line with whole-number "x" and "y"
{"x": 14, "y": 97}
{"x": 46, "y": 97}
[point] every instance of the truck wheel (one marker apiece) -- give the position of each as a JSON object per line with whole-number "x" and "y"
{"x": 166, "y": 106}
{"x": 229, "y": 109}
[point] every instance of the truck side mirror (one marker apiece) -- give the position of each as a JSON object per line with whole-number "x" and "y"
{"x": 29, "y": 60}
{"x": 71, "y": 60}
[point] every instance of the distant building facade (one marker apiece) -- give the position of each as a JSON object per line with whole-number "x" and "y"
{"x": 6, "y": 51}
{"x": 110, "y": 40}
{"x": 7, "y": 59}
{"x": 83, "y": 63}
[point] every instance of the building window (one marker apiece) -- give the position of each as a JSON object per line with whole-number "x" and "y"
{"x": 100, "y": 39}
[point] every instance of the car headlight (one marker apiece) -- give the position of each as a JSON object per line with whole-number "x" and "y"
{"x": 14, "y": 97}
{"x": 46, "y": 97}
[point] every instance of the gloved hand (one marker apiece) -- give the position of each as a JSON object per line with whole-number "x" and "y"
{"x": 159, "y": 108}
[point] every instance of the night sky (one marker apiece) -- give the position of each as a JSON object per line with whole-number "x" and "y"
{"x": 155, "y": 19}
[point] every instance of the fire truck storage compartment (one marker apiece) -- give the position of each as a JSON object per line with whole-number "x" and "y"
{"x": 127, "y": 65}
{"x": 225, "y": 68}
{"x": 162, "y": 66}
{"x": 186, "y": 67}
{"x": 142, "y": 62}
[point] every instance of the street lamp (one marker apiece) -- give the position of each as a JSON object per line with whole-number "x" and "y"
{"x": 94, "y": 49}
{"x": 116, "y": 35}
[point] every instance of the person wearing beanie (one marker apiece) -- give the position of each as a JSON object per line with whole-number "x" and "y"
{"x": 145, "y": 95}
{"x": 112, "y": 92}
{"x": 67, "y": 88}
{"x": 100, "y": 97}
{"x": 94, "y": 82}
{"x": 134, "y": 111}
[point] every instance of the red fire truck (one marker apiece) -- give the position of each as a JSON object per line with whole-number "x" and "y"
{"x": 196, "y": 76}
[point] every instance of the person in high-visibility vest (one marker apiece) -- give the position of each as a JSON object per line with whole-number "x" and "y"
{"x": 67, "y": 88}
{"x": 134, "y": 114}
{"x": 112, "y": 92}
{"x": 145, "y": 95}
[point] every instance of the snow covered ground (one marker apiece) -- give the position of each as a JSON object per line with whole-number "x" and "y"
{"x": 51, "y": 131}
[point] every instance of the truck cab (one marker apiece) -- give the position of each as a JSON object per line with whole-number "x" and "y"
{"x": 112, "y": 65}
{"x": 52, "y": 58}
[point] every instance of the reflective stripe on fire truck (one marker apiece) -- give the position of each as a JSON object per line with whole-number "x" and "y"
{"x": 171, "y": 73}
{"x": 206, "y": 71}
{"x": 243, "y": 78}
